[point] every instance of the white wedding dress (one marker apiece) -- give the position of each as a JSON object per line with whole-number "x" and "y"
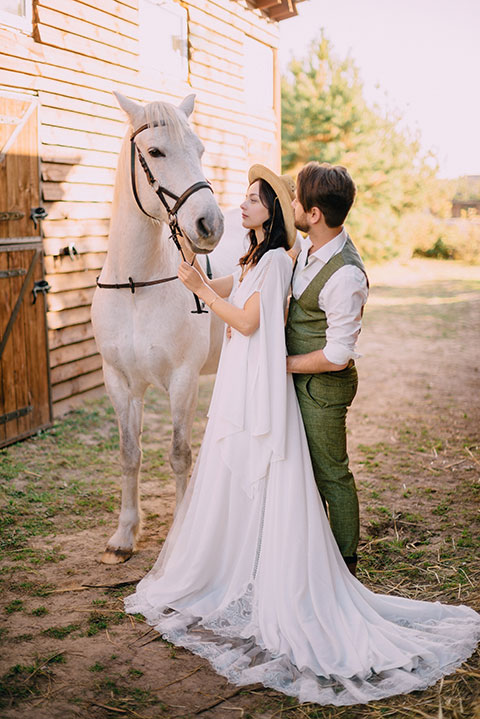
{"x": 250, "y": 576}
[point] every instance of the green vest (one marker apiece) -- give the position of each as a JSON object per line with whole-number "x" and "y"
{"x": 306, "y": 329}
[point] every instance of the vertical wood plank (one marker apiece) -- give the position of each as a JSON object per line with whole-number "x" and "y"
{"x": 4, "y": 315}
{"x": 8, "y": 357}
{"x": 17, "y": 167}
{"x": 16, "y": 260}
{"x": 24, "y": 372}
{"x": 38, "y": 370}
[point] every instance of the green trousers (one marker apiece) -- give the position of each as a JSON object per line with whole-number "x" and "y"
{"x": 324, "y": 399}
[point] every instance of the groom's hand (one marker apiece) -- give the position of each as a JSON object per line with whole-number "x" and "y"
{"x": 312, "y": 363}
{"x": 289, "y": 363}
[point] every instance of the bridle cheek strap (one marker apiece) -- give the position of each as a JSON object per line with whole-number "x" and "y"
{"x": 160, "y": 191}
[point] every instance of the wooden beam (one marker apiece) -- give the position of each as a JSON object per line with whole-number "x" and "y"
{"x": 282, "y": 12}
{"x": 262, "y": 4}
{"x": 277, "y": 9}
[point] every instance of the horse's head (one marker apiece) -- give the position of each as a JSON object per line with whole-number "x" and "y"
{"x": 171, "y": 154}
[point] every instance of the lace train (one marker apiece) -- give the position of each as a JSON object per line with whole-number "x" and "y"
{"x": 227, "y": 639}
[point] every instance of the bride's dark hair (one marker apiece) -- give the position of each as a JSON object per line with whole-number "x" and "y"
{"x": 273, "y": 228}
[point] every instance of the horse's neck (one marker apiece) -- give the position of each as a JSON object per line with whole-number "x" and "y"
{"x": 137, "y": 246}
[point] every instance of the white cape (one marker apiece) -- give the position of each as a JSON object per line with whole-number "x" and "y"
{"x": 250, "y": 576}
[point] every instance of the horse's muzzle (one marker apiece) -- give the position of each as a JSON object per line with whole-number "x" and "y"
{"x": 200, "y": 250}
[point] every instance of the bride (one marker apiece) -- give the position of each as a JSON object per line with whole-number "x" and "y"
{"x": 250, "y": 576}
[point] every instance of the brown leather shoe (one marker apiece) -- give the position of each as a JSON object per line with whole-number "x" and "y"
{"x": 352, "y": 567}
{"x": 351, "y": 563}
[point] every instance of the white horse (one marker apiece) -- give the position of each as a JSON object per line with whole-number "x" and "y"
{"x": 148, "y": 334}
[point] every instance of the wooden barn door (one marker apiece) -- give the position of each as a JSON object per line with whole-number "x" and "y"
{"x": 25, "y": 404}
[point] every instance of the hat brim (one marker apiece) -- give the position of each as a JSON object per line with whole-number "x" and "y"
{"x": 260, "y": 172}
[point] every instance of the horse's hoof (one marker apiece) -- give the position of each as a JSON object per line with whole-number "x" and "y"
{"x": 116, "y": 556}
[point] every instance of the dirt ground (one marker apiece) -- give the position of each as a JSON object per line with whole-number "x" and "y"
{"x": 67, "y": 648}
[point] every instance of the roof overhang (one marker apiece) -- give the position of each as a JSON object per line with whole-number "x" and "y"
{"x": 276, "y": 9}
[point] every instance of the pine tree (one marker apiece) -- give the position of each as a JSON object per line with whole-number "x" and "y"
{"x": 325, "y": 117}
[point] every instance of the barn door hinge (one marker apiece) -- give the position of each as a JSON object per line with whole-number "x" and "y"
{"x": 4, "y": 274}
{"x": 9, "y": 216}
{"x": 4, "y": 418}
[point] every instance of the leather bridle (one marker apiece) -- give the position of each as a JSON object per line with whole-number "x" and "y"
{"x": 172, "y": 212}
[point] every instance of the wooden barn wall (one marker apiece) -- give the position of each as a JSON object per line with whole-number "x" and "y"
{"x": 79, "y": 53}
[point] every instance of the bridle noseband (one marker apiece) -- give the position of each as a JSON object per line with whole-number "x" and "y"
{"x": 172, "y": 212}
{"x": 159, "y": 190}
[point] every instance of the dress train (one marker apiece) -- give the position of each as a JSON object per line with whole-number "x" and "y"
{"x": 250, "y": 576}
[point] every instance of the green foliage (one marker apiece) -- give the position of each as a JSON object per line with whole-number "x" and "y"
{"x": 326, "y": 118}
{"x": 468, "y": 188}
{"x": 427, "y": 236}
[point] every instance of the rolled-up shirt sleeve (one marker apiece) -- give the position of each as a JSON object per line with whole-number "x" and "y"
{"x": 342, "y": 299}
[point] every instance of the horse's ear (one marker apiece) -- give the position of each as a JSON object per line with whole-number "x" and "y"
{"x": 130, "y": 107}
{"x": 186, "y": 106}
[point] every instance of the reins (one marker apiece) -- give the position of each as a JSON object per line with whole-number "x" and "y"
{"x": 175, "y": 228}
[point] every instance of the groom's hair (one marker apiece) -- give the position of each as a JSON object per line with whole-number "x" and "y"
{"x": 328, "y": 187}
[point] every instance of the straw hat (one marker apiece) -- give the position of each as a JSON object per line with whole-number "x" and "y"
{"x": 284, "y": 188}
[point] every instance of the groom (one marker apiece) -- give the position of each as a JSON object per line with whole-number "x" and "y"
{"x": 329, "y": 290}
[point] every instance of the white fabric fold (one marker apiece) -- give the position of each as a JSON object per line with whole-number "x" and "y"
{"x": 252, "y": 367}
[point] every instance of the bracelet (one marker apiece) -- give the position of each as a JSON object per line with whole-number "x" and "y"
{"x": 210, "y": 304}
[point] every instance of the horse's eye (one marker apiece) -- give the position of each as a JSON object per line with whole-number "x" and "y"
{"x": 155, "y": 152}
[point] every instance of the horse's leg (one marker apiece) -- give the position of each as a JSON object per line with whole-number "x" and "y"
{"x": 128, "y": 405}
{"x": 183, "y": 392}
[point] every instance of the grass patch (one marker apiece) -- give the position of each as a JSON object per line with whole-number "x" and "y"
{"x": 61, "y": 632}
{"x": 35, "y": 498}
{"x": 34, "y": 589}
{"x": 97, "y": 621}
{"x": 121, "y": 591}
{"x": 10, "y": 467}
{"x": 39, "y": 611}
{"x": 97, "y": 667}
{"x": 121, "y": 697}
{"x": 22, "y": 638}
{"x": 16, "y": 605}
{"x": 22, "y": 682}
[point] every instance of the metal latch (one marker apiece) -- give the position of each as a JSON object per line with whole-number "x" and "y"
{"x": 40, "y": 286}
{"x": 69, "y": 251}
{"x": 37, "y": 214}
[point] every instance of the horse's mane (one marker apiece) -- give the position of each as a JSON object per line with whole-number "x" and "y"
{"x": 165, "y": 114}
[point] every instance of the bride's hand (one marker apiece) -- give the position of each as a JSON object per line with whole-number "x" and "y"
{"x": 190, "y": 277}
{"x": 228, "y": 332}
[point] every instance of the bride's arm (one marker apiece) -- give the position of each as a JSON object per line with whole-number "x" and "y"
{"x": 221, "y": 285}
{"x": 246, "y": 320}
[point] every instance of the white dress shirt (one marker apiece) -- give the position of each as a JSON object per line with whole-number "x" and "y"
{"x": 341, "y": 298}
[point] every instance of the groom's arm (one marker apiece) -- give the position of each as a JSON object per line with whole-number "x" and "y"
{"x": 342, "y": 299}
{"x": 312, "y": 363}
